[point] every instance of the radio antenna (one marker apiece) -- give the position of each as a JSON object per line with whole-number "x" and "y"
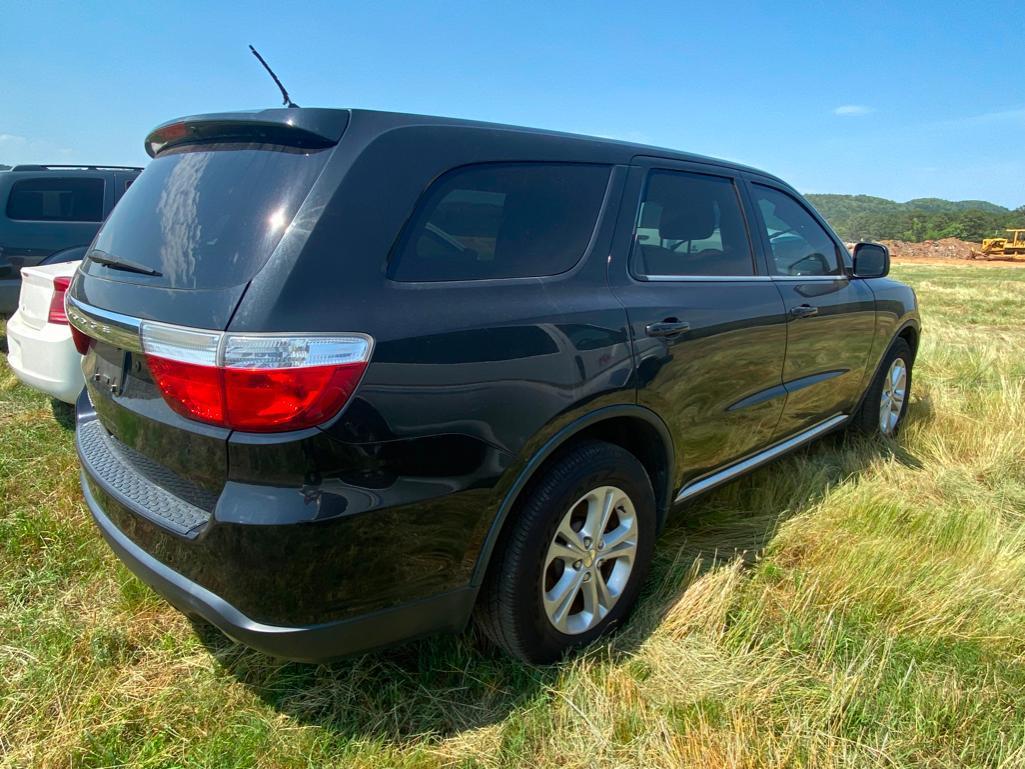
{"x": 287, "y": 99}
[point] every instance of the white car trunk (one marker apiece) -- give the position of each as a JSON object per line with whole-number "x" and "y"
{"x": 37, "y": 291}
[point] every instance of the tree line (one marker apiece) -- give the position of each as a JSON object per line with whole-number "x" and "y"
{"x": 863, "y": 217}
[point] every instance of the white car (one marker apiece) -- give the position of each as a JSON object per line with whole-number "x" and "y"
{"x": 40, "y": 348}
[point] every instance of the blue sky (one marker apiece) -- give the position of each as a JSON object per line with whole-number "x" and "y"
{"x": 900, "y": 100}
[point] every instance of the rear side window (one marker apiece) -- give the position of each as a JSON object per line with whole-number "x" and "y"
{"x": 56, "y": 200}
{"x": 501, "y": 220}
{"x": 691, "y": 225}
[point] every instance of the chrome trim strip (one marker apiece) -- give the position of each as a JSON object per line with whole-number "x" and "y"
{"x": 742, "y": 278}
{"x": 107, "y": 326}
{"x": 704, "y": 278}
{"x": 125, "y": 331}
{"x": 710, "y": 481}
{"x": 811, "y": 278}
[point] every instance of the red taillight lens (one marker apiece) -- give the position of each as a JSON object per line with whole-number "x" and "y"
{"x": 196, "y": 392}
{"x": 286, "y": 399}
{"x": 255, "y": 383}
{"x": 60, "y": 287}
{"x": 81, "y": 341}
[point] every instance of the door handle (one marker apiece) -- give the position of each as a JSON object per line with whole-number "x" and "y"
{"x": 667, "y": 327}
{"x": 803, "y": 311}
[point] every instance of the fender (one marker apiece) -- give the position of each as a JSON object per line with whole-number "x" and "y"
{"x": 909, "y": 323}
{"x": 549, "y": 448}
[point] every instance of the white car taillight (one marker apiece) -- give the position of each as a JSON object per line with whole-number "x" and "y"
{"x": 60, "y": 288}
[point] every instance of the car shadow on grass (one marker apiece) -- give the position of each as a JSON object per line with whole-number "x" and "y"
{"x": 63, "y": 414}
{"x": 443, "y": 686}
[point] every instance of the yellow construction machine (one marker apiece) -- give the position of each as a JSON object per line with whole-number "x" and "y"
{"x": 1011, "y": 246}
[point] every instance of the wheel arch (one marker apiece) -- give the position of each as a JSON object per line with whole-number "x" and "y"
{"x": 637, "y": 429}
{"x": 910, "y": 332}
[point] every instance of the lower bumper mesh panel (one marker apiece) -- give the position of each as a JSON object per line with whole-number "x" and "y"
{"x": 141, "y": 484}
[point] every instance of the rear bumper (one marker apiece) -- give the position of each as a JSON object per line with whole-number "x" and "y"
{"x": 305, "y": 591}
{"x": 45, "y": 358}
{"x": 311, "y": 643}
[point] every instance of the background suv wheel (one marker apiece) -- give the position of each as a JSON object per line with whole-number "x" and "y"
{"x": 574, "y": 555}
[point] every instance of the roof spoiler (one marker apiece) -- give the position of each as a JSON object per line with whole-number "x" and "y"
{"x": 309, "y": 128}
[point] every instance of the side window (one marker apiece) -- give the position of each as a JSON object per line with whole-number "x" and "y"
{"x": 800, "y": 246}
{"x": 501, "y": 220}
{"x": 56, "y": 200}
{"x": 690, "y": 225}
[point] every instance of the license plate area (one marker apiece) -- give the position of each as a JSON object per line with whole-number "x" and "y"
{"x": 106, "y": 368}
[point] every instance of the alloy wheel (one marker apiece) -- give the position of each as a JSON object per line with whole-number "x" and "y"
{"x": 891, "y": 402}
{"x": 589, "y": 560}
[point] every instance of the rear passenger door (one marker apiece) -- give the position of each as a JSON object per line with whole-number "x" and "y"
{"x": 831, "y": 318}
{"x": 707, "y": 323}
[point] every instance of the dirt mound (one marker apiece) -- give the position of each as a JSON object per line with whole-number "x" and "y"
{"x": 947, "y": 248}
{"x": 938, "y": 252}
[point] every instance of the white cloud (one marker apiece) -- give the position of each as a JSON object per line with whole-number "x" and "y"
{"x": 852, "y": 110}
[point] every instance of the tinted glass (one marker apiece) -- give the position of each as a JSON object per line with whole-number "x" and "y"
{"x": 501, "y": 221}
{"x": 56, "y": 200}
{"x": 800, "y": 246}
{"x": 208, "y": 216}
{"x": 691, "y": 225}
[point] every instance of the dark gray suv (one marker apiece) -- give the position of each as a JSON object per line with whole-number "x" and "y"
{"x": 354, "y": 376}
{"x": 50, "y": 214}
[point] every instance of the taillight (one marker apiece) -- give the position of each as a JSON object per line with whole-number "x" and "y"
{"x": 60, "y": 288}
{"x": 255, "y": 382}
{"x": 81, "y": 341}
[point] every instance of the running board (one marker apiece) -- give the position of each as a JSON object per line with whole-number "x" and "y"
{"x": 755, "y": 460}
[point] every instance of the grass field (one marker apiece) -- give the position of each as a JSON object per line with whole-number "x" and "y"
{"x": 857, "y": 604}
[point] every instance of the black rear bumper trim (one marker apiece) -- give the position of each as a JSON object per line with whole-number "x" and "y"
{"x": 310, "y": 643}
{"x": 160, "y": 502}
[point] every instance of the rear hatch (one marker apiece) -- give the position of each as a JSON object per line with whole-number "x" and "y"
{"x": 180, "y": 248}
{"x": 37, "y": 291}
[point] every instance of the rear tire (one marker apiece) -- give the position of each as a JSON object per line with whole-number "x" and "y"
{"x": 571, "y": 563}
{"x": 886, "y": 402}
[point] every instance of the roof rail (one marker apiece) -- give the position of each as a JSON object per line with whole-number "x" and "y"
{"x": 50, "y": 167}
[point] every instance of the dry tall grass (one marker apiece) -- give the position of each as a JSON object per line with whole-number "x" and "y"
{"x": 856, "y": 605}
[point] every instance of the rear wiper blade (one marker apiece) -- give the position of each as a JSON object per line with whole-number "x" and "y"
{"x": 122, "y": 264}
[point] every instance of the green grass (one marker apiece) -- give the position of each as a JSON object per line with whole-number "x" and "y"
{"x": 857, "y": 604}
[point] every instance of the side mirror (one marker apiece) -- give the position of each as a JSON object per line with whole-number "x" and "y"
{"x": 871, "y": 260}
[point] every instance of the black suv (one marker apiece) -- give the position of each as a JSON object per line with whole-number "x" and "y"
{"x": 354, "y": 376}
{"x": 49, "y": 214}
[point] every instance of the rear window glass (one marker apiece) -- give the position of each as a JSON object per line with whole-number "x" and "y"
{"x": 501, "y": 220}
{"x": 56, "y": 200}
{"x": 208, "y": 216}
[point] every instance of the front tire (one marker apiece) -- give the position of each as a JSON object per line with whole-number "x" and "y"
{"x": 572, "y": 562}
{"x": 886, "y": 402}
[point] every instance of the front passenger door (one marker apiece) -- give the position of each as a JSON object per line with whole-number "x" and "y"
{"x": 830, "y": 316}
